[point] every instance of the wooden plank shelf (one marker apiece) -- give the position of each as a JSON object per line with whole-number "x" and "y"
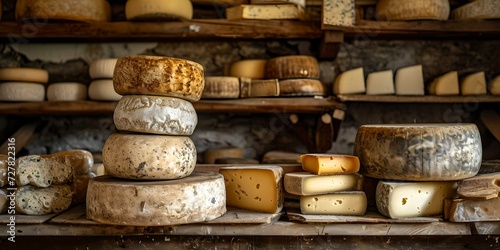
{"x": 418, "y": 99}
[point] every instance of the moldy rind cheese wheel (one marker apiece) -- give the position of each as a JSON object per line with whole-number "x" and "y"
{"x": 419, "y": 152}
{"x": 413, "y": 10}
{"x": 22, "y": 92}
{"x": 156, "y": 75}
{"x": 74, "y": 10}
{"x": 289, "y": 67}
{"x": 31, "y": 75}
{"x": 158, "y": 9}
{"x": 197, "y": 198}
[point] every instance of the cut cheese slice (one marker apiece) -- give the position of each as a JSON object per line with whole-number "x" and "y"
{"x": 303, "y": 183}
{"x": 341, "y": 203}
{"x": 219, "y": 2}
{"x": 73, "y": 10}
{"x": 292, "y": 67}
{"x": 478, "y": 9}
{"x": 299, "y": 2}
{"x": 67, "y": 91}
{"x": 380, "y": 83}
{"x": 410, "y": 81}
{"x": 211, "y": 155}
{"x": 32, "y": 200}
{"x": 103, "y": 90}
{"x": 339, "y": 12}
{"x": 156, "y": 75}
{"x": 350, "y": 82}
{"x": 22, "y": 92}
{"x": 325, "y": 164}
{"x": 254, "y": 188}
{"x": 413, "y": 199}
{"x": 148, "y": 157}
{"x": 446, "y": 84}
{"x": 24, "y": 75}
{"x": 252, "y": 68}
{"x": 395, "y": 10}
{"x": 266, "y": 12}
{"x": 155, "y": 115}
{"x": 259, "y": 88}
{"x": 302, "y": 87}
{"x": 197, "y": 198}
{"x": 419, "y": 152}
{"x": 471, "y": 210}
{"x": 474, "y": 84}
{"x": 102, "y": 68}
{"x": 495, "y": 86}
{"x": 221, "y": 87}
{"x": 155, "y": 10}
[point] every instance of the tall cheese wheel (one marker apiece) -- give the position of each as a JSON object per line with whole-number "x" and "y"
{"x": 158, "y": 9}
{"x": 74, "y": 10}
{"x": 148, "y": 157}
{"x": 221, "y": 87}
{"x": 156, "y": 75}
{"x": 302, "y": 87}
{"x": 197, "y": 198}
{"x": 24, "y": 75}
{"x": 67, "y": 91}
{"x": 22, "y": 92}
{"x": 102, "y": 68}
{"x": 419, "y": 152}
{"x": 412, "y": 10}
{"x": 250, "y": 68}
{"x": 155, "y": 115}
{"x": 290, "y": 67}
{"x": 103, "y": 90}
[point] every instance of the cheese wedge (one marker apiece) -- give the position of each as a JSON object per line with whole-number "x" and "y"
{"x": 478, "y": 9}
{"x": 350, "y": 82}
{"x": 211, "y": 155}
{"x": 73, "y": 10}
{"x": 495, "y": 86}
{"x": 304, "y": 183}
{"x": 473, "y": 84}
{"x": 292, "y": 67}
{"x": 103, "y": 90}
{"x": 339, "y": 12}
{"x": 24, "y": 75}
{"x": 102, "y": 68}
{"x": 395, "y": 10}
{"x": 266, "y": 12}
{"x": 325, "y": 164}
{"x": 380, "y": 83}
{"x": 154, "y": 10}
{"x": 410, "y": 81}
{"x": 259, "y": 88}
{"x": 446, "y": 84}
{"x": 341, "y": 203}
{"x": 22, "y": 92}
{"x": 471, "y": 210}
{"x": 302, "y": 87}
{"x": 32, "y": 200}
{"x": 221, "y": 87}
{"x": 251, "y": 68}
{"x": 67, "y": 91}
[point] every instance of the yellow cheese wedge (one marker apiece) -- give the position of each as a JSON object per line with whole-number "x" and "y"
{"x": 251, "y": 68}
{"x": 446, "y": 84}
{"x": 74, "y": 10}
{"x": 211, "y": 155}
{"x": 304, "y": 183}
{"x": 266, "y": 12}
{"x": 67, "y": 91}
{"x": 140, "y": 10}
{"x": 478, "y": 9}
{"x": 412, "y": 10}
{"x": 221, "y": 87}
{"x": 341, "y": 203}
{"x": 103, "y": 90}
{"x": 473, "y": 84}
{"x": 22, "y": 92}
{"x": 495, "y": 86}
{"x": 380, "y": 83}
{"x": 292, "y": 67}
{"x": 410, "y": 81}
{"x": 350, "y": 82}
{"x": 324, "y": 164}
{"x": 24, "y": 75}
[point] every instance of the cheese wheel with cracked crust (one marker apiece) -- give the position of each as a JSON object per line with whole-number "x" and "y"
{"x": 156, "y": 75}
{"x": 197, "y": 198}
{"x": 413, "y": 10}
{"x": 102, "y": 68}
{"x": 154, "y": 10}
{"x": 67, "y": 91}
{"x": 22, "y": 92}
{"x": 291, "y": 67}
{"x": 103, "y": 90}
{"x": 32, "y": 75}
{"x": 302, "y": 87}
{"x": 74, "y": 10}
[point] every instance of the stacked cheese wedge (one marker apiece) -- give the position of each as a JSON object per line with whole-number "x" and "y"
{"x": 151, "y": 161}
{"x": 101, "y": 87}
{"x": 23, "y": 84}
{"x": 471, "y": 85}
{"x": 268, "y": 9}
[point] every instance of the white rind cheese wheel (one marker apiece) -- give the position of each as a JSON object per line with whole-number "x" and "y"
{"x": 199, "y": 197}
{"x": 22, "y": 92}
{"x": 103, "y": 90}
{"x": 479, "y": 9}
{"x": 412, "y": 10}
{"x": 148, "y": 157}
{"x": 221, "y": 87}
{"x": 67, "y": 91}
{"x": 302, "y": 87}
{"x": 102, "y": 68}
{"x": 290, "y": 67}
{"x": 495, "y": 86}
{"x": 211, "y": 155}
{"x": 24, "y": 75}
{"x": 74, "y": 10}
{"x": 156, "y": 75}
{"x": 158, "y": 10}
{"x": 155, "y": 115}
{"x": 419, "y": 152}
{"x": 251, "y": 68}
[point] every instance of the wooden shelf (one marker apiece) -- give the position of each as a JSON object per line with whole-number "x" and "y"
{"x": 418, "y": 99}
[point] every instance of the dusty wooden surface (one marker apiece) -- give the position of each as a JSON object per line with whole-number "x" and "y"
{"x": 418, "y": 99}
{"x": 369, "y": 217}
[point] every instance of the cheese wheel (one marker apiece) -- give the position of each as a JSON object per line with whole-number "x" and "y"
{"x": 103, "y": 90}
{"x": 327, "y": 164}
{"x": 156, "y": 75}
{"x": 211, "y": 155}
{"x": 102, "y": 68}
{"x": 219, "y": 2}
{"x": 419, "y": 152}
{"x": 197, "y": 198}
{"x": 412, "y": 10}
{"x": 302, "y": 87}
{"x": 67, "y": 91}
{"x": 148, "y": 157}
{"x": 74, "y": 10}
{"x": 251, "y": 68}
{"x": 221, "y": 87}
{"x": 266, "y": 12}
{"x": 158, "y": 10}
{"x": 22, "y": 92}
{"x": 155, "y": 115}
{"x": 289, "y": 67}
{"x": 478, "y": 9}
{"x": 24, "y": 75}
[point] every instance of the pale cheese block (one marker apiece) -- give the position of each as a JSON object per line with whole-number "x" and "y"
{"x": 479, "y": 9}
{"x": 419, "y": 152}
{"x": 495, "y": 86}
{"x": 148, "y": 157}
{"x": 4, "y": 170}
{"x": 446, "y": 84}
{"x": 413, "y": 199}
{"x": 340, "y": 203}
{"x": 256, "y": 188}
{"x": 380, "y": 83}
{"x": 339, "y": 12}
{"x": 157, "y": 10}
{"x": 410, "y": 81}
{"x": 103, "y": 90}
{"x": 298, "y": 2}
{"x": 304, "y": 183}
{"x": 472, "y": 210}
{"x": 32, "y": 75}
{"x": 327, "y": 164}
{"x": 4, "y": 198}
{"x": 67, "y": 91}
{"x": 292, "y": 67}
{"x": 302, "y": 87}
{"x": 155, "y": 115}
{"x": 102, "y": 68}
{"x": 213, "y": 154}
{"x": 259, "y": 88}
{"x": 350, "y": 82}
{"x": 219, "y": 2}
{"x": 221, "y": 87}
{"x": 250, "y": 68}
{"x": 198, "y": 197}
{"x": 266, "y": 12}
{"x": 22, "y": 92}
{"x": 72, "y": 10}
{"x": 402, "y": 10}
{"x": 473, "y": 84}
{"x": 156, "y": 75}
{"x": 32, "y": 200}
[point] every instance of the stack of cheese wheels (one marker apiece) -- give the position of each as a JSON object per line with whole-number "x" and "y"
{"x": 23, "y": 84}
{"x": 331, "y": 185}
{"x": 417, "y": 164}
{"x": 101, "y": 87}
{"x": 151, "y": 180}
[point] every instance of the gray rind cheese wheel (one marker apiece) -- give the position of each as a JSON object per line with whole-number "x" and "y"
{"x": 197, "y": 198}
{"x": 155, "y": 115}
{"x": 148, "y": 157}
{"x": 419, "y": 152}
{"x": 302, "y": 87}
{"x": 413, "y": 10}
{"x": 291, "y": 67}
{"x": 74, "y": 10}
{"x": 22, "y": 92}
{"x": 156, "y": 75}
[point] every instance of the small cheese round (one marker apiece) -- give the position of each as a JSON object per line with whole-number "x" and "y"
{"x": 102, "y": 68}
{"x": 419, "y": 152}
{"x": 67, "y": 91}
{"x": 221, "y": 87}
{"x": 74, "y": 10}
{"x": 103, "y": 90}
{"x": 142, "y": 10}
{"x": 213, "y": 154}
{"x": 302, "y": 87}
{"x": 392, "y": 10}
{"x": 197, "y": 198}
{"x": 251, "y": 68}
{"x": 155, "y": 115}
{"x": 156, "y": 75}
{"x": 22, "y": 92}
{"x": 24, "y": 75}
{"x": 148, "y": 157}
{"x": 290, "y": 67}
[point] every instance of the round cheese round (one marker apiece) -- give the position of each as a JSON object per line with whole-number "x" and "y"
{"x": 221, "y": 87}
{"x": 419, "y": 152}
{"x": 251, "y": 68}
{"x": 155, "y": 115}
{"x": 67, "y": 91}
{"x": 103, "y": 90}
{"x": 24, "y": 75}
{"x": 211, "y": 155}
{"x": 22, "y": 92}
{"x": 102, "y": 68}
{"x": 393, "y": 10}
{"x": 302, "y": 87}
{"x": 141, "y": 10}
{"x": 290, "y": 67}
{"x": 73, "y": 10}
{"x": 156, "y": 75}
{"x": 148, "y": 157}
{"x": 199, "y": 197}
